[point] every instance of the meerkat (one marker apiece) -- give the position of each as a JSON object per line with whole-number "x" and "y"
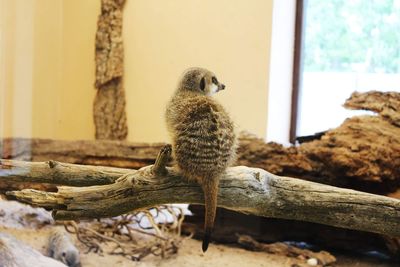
{"x": 203, "y": 137}
{"x": 62, "y": 249}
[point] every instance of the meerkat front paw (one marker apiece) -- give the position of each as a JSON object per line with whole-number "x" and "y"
{"x": 163, "y": 158}
{"x": 167, "y": 150}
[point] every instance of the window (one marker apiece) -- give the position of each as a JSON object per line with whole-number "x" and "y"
{"x": 342, "y": 46}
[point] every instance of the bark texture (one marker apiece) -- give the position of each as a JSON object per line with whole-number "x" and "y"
{"x": 109, "y": 105}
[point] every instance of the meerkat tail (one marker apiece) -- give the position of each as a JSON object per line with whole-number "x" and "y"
{"x": 210, "y": 188}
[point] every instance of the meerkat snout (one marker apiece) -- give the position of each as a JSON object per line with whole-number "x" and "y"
{"x": 215, "y": 86}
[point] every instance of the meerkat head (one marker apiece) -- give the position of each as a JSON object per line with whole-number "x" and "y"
{"x": 201, "y": 81}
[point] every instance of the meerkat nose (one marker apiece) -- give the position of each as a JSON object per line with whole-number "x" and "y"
{"x": 222, "y": 86}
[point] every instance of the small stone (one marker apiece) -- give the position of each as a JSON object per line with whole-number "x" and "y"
{"x": 312, "y": 262}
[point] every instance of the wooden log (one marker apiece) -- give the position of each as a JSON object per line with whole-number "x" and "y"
{"x": 247, "y": 190}
{"x": 14, "y": 253}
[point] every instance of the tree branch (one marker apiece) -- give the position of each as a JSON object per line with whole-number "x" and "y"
{"x": 247, "y": 190}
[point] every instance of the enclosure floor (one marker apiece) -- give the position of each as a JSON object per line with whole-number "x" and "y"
{"x": 13, "y": 221}
{"x": 189, "y": 255}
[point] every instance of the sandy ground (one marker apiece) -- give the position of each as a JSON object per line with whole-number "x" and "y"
{"x": 189, "y": 255}
{"x": 26, "y": 224}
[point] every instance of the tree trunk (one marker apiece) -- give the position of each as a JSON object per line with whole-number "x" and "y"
{"x": 109, "y": 105}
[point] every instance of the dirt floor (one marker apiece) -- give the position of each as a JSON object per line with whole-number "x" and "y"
{"x": 32, "y": 227}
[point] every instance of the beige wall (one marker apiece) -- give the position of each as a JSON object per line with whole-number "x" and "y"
{"x": 13, "y": 65}
{"x": 47, "y": 62}
{"x": 47, "y": 68}
{"x": 162, "y": 38}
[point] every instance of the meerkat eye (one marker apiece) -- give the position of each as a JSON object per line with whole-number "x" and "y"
{"x": 214, "y": 80}
{"x": 202, "y": 84}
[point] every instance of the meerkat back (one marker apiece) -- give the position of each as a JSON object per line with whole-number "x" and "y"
{"x": 203, "y": 137}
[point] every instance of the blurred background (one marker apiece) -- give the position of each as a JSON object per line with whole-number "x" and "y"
{"x": 48, "y": 67}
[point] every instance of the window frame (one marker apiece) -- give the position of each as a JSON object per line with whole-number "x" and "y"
{"x": 297, "y": 68}
{"x": 280, "y": 71}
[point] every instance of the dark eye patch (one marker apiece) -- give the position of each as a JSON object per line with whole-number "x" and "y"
{"x": 214, "y": 80}
{"x": 202, "y": 84}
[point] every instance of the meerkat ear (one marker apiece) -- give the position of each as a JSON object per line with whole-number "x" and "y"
{"x": 202, "y": 84}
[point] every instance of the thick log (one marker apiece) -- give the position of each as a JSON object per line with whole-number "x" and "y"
{"x": 247, "y": 190}
{"x": 14, "y": 253}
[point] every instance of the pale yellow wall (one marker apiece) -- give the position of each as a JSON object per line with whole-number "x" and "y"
{"x": 162, "y": 38}
{"x": 47, "y": 68}
{"x": 77, "y": 95}
{"x": 16, "y": 63}
{"x": 47, "y": 62}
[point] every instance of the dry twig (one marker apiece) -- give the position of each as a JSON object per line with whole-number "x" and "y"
{"x": 158, "y": 230}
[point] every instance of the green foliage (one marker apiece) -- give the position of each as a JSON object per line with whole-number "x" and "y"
{"x": 352, "y": 35}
